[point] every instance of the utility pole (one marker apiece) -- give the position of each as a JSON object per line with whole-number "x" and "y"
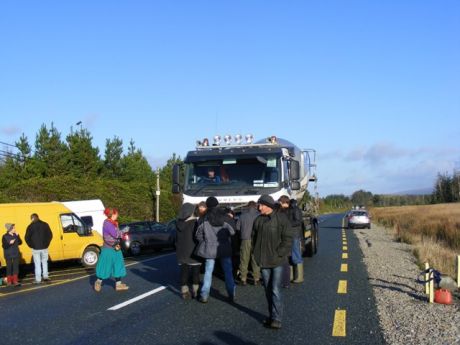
{"x": 157, "y": 217}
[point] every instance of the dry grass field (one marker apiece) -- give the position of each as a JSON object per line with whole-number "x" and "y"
{"x": 433, "y": 230}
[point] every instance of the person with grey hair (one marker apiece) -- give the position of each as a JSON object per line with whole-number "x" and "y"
{"x": 244, "y": 227}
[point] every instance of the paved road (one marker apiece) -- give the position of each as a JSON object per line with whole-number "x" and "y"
{"x": 315, "y": 313}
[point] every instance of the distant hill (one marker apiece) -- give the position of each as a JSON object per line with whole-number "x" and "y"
{"x": 421, "y": 191}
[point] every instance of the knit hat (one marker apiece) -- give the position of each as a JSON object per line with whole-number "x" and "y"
{"x": 186, "y": 211}
{"x": 9, "y": 226}
{"x": 267, "y": 200}
{"x": 211, "y": 202}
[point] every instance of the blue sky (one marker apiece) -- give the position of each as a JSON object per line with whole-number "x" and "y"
{"x": 373, "y": 86}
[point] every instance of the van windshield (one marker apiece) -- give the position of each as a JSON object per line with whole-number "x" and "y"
{"x": 71, "y": 223}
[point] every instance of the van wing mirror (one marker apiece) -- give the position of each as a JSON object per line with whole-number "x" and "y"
{"x": 294, "y": 172}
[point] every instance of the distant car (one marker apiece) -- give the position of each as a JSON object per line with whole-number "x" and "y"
{"x": 358, "y": 219}
{"x": 147, "y": 234}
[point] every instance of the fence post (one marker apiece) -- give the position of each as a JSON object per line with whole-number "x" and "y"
{"x": 427, "y": 276}
{"x": 431, "y": 277}
{"x": 458, "y": 271}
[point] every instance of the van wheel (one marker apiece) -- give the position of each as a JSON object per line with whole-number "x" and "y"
{"x": 90, "y": 256}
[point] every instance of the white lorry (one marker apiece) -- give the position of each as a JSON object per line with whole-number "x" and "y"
{"x": 236, "y": 173}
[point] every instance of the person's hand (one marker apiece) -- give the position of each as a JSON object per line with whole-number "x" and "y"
{"x": 12, "y": 241}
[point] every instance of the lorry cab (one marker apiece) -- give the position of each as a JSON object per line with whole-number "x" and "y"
{"x": 72, "y": 238}
{"x": 237, "y": 173}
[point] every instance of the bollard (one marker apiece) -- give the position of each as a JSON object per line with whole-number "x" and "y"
{"x": 427, "y": 275}
{"x": 431, "y": 277}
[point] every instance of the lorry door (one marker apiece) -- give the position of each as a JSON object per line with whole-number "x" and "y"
{"x": 73, "y": 235}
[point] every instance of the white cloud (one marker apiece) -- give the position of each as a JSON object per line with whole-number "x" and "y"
{"x": 10, "y": 131}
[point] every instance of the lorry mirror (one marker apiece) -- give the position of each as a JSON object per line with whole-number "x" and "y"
{"x": 295, "y": 185}
{"x": 176, "y": 179}
{"x": 175, "y": 188}
{"x": 294, "y": 172}
{"x": 176, "y": 174}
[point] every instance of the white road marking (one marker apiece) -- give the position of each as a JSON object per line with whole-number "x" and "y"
{"x": 135, "y": 299}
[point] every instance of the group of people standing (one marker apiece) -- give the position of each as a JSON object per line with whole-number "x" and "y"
{"x": 270, "y": 235}
{"x": 38, "y": 237}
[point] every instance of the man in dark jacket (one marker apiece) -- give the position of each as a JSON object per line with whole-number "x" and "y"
{"x": 244, "y": 226}
{"x": 272, "y": 242}
{"x": 38, "y": 237}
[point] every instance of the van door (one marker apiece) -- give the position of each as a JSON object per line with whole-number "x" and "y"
{"x": 74, "y": 236}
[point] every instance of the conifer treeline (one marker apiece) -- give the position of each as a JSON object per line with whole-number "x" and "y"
{"x": 73, "y": 169}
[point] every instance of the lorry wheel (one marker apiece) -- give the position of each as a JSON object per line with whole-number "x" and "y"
{"x": 309, "y": 250}
{"x": 135, "y": 248}
{"x": 316, "y": 237}
{"x": 90, "y": 256}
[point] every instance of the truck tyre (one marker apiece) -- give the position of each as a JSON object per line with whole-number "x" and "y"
{"x": 135, "y": 248}
{"x": 90, "y": 256}
{"x": 316, "y": 236}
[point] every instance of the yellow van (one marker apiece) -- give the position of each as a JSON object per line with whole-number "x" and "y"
{"x": 72, "y": 239}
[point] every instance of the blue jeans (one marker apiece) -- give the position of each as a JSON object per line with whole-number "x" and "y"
{"x": 227, "y": 267}
{"x": 40, "y": 260}
{"x": 272, "y": 284}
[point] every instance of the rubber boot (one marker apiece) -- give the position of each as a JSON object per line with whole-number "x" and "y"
{"x": 299, "y": 278}
{"x": 15, "y": 280}
{"x": 9, "y": 280}
{"x": 195, "y": 288}
{"x": 185, "y": 292}
{"x": 292, "y": 272}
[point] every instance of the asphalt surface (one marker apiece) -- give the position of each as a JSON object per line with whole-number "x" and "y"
{"x": 70, "y": 312}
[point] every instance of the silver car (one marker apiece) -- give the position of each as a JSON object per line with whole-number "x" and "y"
{"x": 358, "y": 219}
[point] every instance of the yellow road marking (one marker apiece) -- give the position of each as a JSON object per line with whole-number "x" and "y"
{"x": 344, "y": 268}
{"x": 342, "y": 289}
{"x": 344, "y": 255}
{"x": 60, "y": 282}
{"x": 345, "y": 243}
{"x": 340, "y": 323}
{"x": 345, "y": 248}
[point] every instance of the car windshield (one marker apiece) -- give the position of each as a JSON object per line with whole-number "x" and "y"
{"x": 233, "y": 173}
{"x": 360, "y": 213}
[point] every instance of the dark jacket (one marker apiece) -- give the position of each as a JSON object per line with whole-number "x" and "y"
{"x": 214, "y": 235}
{"x": 11, "y": 251}
{"x": 38, "y": 235}
{"x": 186, "y": 242}
{"x": 245, "y": 223}
{"x": 296, "y": 221}
{"x": 271, "y": 239}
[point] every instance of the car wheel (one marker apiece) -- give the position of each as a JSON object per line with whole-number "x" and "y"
{"x": 369, "y": 226}
{"x": 90, "y": 256}
{"x": 135, "y": 248}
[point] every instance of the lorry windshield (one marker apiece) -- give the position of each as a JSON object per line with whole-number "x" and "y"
{"x": 235, "y": 174}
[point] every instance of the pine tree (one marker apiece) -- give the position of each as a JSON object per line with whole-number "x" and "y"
{"x": 84, "y": 159}
{"x": 112, "y": 158}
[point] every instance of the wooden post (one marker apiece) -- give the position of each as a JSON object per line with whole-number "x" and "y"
{"x": 458, "y": 271}
{"x": 431, "y": 297}
{"x": 427, "y": 276}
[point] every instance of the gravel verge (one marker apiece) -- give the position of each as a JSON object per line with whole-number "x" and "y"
{"x": 405, "y": 315}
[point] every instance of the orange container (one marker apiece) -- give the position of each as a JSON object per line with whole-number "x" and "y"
{"x": 443, "y": 296}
